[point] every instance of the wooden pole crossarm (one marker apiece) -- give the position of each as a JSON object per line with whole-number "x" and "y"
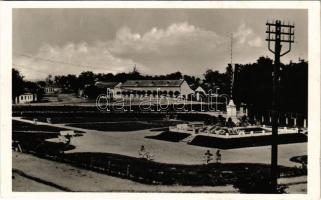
{"x": 287, "y": 50}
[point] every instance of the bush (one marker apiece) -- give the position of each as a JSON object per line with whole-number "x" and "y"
{"x": 257, "y": 181}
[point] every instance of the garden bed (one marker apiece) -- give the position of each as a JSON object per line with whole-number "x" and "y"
{"x": 231, "y": 143}
{"x": 122, "y": 126}
{"x": 300, "y": 159}
{"x": 23, "y": 126}
{"x": 169, "y": 136}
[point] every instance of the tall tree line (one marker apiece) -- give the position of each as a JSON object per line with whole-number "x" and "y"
{"x": 20, "y": 86}
{"x": 252, "y": 83}
{"x": 253, "y": 86}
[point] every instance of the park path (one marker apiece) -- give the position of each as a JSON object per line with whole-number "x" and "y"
{"x": 128, "y": 143}
{"x": 296, "y": 184}
{"x": 56, "y": 176}
{"x": 48, "y": 124}
{"x": 71, "y": 178}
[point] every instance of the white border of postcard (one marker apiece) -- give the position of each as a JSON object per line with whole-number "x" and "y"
{"x": 313, "y": 110}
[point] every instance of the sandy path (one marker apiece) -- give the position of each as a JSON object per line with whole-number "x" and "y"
{"x": 47, "y": 124}
{"x": 128, "y": 143}
{"x": 22, "y": 184}
{"x": 76, "y": 179}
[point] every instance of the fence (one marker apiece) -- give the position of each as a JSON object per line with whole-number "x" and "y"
{"x": 149, "y": 172}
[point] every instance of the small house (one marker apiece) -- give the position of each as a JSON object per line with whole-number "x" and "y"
{"x": 25, "y": 98}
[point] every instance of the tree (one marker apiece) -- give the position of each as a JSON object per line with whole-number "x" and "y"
{"x": 86, "y": 78}
{"x": 214, "y": 79}
{"x": 174, "y": 76}
{"x": 253, "y": 86}
{"x": 34, "y": 88}
{"x": 68, "y": 83}
{"x": 49, "y": 79}
{"x": 91, "y": 91}
{"x": 17, "y": 84}
{"x": 135, "y": 74}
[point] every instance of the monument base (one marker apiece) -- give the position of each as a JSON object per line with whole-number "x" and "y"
{"x": 231, "y": 112}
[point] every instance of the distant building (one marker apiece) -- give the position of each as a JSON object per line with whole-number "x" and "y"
{"x": 80, "y": 92}
{"x": 49, "y": 90}
{"x": 25, "y": 98}
{"x": 52, "y": 90}
{"x": 152, "y": 88}
{"x": 200, "y": 93}
{"x": 103, "y": 86}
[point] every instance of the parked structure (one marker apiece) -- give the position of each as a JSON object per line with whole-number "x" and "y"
{"x": 49, "y": 90}
{"x": 25, "y": 98}
{"x": 190, "y": 127}
{"x": 52, "y": 90}
{"x": 200, "y": 93}
{"x": 152, "y": 88}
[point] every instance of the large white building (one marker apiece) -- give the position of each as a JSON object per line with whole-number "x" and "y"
{"x": 152, "y": 88}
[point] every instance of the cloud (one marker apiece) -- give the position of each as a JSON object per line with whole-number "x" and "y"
{"x": 176, "y": 39}
{"x": 256, "y": 42}
{"x": 71, "y": 59}
{"x": 246, "y": 36}
{"x": 179, "y": 47}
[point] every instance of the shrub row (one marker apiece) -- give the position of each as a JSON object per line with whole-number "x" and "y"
{"x": 231, "y": 143}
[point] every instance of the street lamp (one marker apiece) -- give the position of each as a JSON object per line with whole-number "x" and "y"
{"x": 216, "y": 96}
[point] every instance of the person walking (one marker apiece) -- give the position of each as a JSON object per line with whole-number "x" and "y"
{"x": 218, "y": 156}
{"x": 142, "y": 151}
{"x": 208, "y": 157}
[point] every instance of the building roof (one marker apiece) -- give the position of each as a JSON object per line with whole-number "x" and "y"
{"x": 200, "y": 89}
{"x": 102, "y": 84}
{"x": 153, "y": 83}
{"x": 27, "y": 93}
{"x": 196, "y": 123}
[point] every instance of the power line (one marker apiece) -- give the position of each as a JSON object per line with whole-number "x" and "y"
{"x": 49, "y": 60}
{"x": 62, "y": 62}
{"x": 27, "y": 68}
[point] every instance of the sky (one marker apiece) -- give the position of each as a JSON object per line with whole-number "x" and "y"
{"x": 156, "y": 41}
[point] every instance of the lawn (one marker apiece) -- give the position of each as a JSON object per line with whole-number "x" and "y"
{"x": 32, "y": 137}
{"x": 22, "y": 126}
{"x": 79, "y": 115}
{"x": 123, "y": 125}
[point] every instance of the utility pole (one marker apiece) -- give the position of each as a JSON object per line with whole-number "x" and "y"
{"x": 278, "y": 33}
{"x": 232, "y": 75}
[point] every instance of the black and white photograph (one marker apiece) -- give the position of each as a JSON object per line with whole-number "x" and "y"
{"x": 160, "y": 100}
